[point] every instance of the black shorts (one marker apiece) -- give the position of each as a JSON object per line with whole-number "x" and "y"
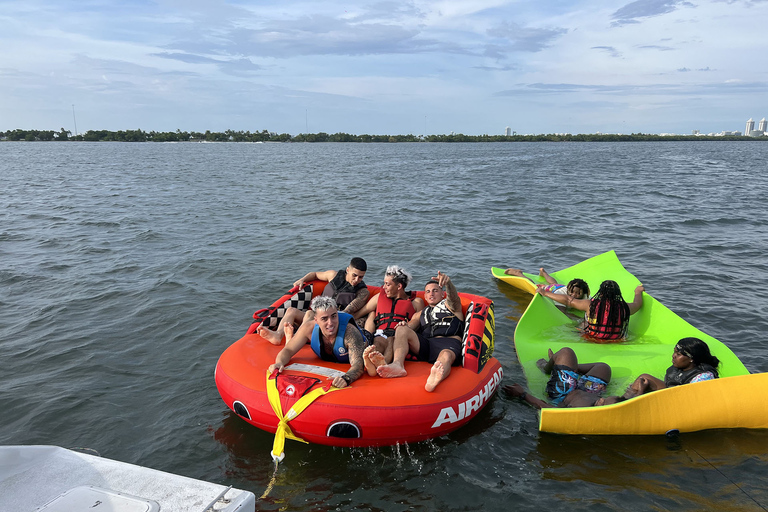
{"x": 430, "y": 348}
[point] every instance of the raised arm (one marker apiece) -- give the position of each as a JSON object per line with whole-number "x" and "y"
{"x": 452, "y": 299}
{"x": 638, "y": 302}
{"x": 566, "y": 300}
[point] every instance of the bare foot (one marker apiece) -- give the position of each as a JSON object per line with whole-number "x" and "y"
{"x": 372, "y": 359}
{"x": 392, "y": 370}
{"x": 514, "y": 272}
{"x": 546, "y": 365}
{"x": 274, "y": 337}
{"x": 436, "y": 376}
{"x": 290, "y": 330}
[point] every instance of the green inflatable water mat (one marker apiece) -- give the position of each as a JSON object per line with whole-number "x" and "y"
{"x": 653, "y": 331}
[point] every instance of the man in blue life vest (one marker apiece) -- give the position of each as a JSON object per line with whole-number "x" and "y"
{"x": 345, "y": 286}
{"x": 335, "y": 337}
{"x": 384, "y": 313}
{"x": 432, "y": 335}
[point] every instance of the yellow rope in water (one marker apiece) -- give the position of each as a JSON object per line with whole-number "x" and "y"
{"x": 271, "y": 482}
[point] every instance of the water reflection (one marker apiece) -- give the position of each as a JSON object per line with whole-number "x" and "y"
{"x": 711, "y": 470}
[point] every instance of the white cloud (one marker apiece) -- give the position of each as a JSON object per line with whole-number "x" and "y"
{"x": 461, "y": 63}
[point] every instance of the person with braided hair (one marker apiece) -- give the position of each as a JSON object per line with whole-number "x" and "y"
{"x": 606, "y": 314}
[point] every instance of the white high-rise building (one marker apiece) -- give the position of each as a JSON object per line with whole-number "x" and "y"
{"x": 750, "y": 126}
{"x": 508, "y": 130}
{"x": 763, "y": 126}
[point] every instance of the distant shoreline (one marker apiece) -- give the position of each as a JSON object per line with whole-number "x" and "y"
{"x": 266, "y": 136}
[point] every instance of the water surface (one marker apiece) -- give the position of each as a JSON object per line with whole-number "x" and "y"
{"x": 127, "y": 268}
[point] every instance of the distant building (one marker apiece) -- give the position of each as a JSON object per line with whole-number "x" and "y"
{"x": 750, "y": 126}
{"x": 761, "y": 130}
{"x": 508, "y": 130}
{"x": 696, "y": 132}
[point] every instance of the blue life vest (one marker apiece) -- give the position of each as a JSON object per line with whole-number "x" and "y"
{"x": 340, "y": 353}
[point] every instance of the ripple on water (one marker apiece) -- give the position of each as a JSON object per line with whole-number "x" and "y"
{"x": 123, "y": 284}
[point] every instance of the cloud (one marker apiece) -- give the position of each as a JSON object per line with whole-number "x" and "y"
{"x": 186, "y": 57}
{"x": 523, "y": 39}
{"x": 633, "y": 11}
{"x": 609, "y": 50}
{"x": 661, "y": 89}
{"x": 655, "y": 47}
{"x": 239, "y": 67}
{"x": 235, "y": 67}
{"x": 748, "y": 3}
{"x": 202, "y": 64}
{"x": 495, "y": 68}
{"x": 311, "y": 35}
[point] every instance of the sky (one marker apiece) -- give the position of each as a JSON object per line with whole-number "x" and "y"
{"x": 384, "y": 67}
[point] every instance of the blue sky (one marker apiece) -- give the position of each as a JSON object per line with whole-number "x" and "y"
{"x": 384, "y": 67}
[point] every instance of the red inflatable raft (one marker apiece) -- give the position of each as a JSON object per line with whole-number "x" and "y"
{"x": 372, "y": 411}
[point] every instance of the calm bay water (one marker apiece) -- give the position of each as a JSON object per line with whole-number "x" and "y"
{"x": 126, "y": 269}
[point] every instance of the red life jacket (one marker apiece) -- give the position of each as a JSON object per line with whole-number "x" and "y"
{"x": 390, "y": 312}
{"x": 600, "y": 328}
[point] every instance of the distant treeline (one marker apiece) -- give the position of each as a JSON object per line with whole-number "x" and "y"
{"x": 266, "y": 136}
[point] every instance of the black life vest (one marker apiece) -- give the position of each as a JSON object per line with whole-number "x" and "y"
{"x": 341, "y": 291}
{"x": 438, "y": 320}
{"x": 676, "y": 377}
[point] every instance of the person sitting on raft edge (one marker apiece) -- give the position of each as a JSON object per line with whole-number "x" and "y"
{"x": 432, "y": 335}
{"x": 606, "y": 315}
{"x": 335, "y": 337}
{"x": 345, "y": 286}
{"x": 571, "y": 384}
{"x": 691, "y": 362}
{"x": 576, "y": 288}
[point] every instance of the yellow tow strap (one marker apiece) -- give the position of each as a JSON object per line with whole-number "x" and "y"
{"x": 283, "y": 430}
